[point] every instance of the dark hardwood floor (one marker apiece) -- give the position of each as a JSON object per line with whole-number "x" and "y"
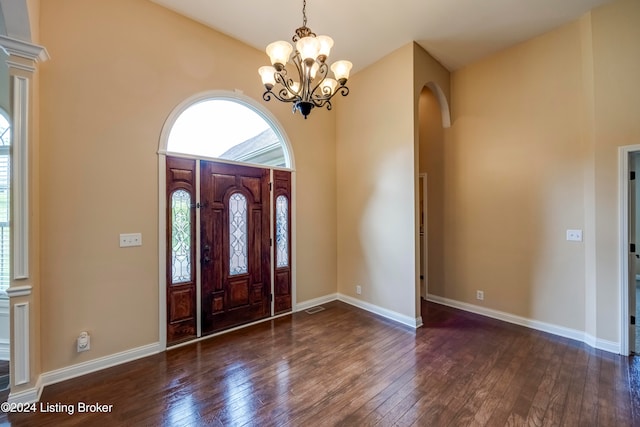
{"x": 345, "y": 366}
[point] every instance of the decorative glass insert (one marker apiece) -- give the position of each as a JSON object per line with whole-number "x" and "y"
{"x": 238, "y": 248}
{"x": 181, "y": 237}
{"x": 5, "y": 177}
{"x": 282, "y": 231}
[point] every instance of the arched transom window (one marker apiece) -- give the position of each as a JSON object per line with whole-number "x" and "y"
{"x": 228, "y": 129}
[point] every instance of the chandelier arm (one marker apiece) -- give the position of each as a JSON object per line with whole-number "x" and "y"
{"x": 286, "y": 93}
{"x": 326, "y": 101}
{"x": 343, "y": 90}
{"x": 321, "y": 75}
{"x": 267, "y": 95}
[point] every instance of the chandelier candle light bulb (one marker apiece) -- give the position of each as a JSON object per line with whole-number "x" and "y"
{"x": 305, "y": 83}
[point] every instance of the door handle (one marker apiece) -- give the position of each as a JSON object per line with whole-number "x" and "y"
{"x": 206, "y": 254}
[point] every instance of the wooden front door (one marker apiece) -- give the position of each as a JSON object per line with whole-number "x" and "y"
{"x": 235, "y": 247}
{"x": 234, "y": 278}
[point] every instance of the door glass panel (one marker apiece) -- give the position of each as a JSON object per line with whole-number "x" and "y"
{"x": 238, "y": 253}
{"x": 181, "y": 237}
{"x": 282, "y": 231}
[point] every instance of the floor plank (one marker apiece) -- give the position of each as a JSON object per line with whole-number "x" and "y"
{"x": 347, "y": 367}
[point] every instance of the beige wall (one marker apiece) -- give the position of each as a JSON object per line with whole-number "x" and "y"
{"x": 616, "y": 67}
{"x": 376, "y": 186}
{"x": 533, "y": 152}
{"x": 513, "y": 174}
{"x": 118, "y": 69}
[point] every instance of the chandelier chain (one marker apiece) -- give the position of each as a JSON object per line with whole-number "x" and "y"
{"x": 304, "y": 13}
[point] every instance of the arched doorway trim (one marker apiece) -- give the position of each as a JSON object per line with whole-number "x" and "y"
{"x": 442, "y": 101}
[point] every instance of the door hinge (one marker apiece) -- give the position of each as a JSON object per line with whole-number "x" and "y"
{"x": 632, "y": 175}
{"x": 270, "y": 242}
{"x": 633, "y": 320}
{"x": 270, "y": 186}
{"x": 632, "y": 248}
{"x": 199, "y": 205}
{"x": 270, "y": 297}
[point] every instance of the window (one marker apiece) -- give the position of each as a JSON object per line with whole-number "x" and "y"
{"x": 5, "y": 174}
{"x": 226, "y": 129}
{"x": 282, "y": 231}
{"x": 181, "y": 237}
{"x": 238, "y": 256}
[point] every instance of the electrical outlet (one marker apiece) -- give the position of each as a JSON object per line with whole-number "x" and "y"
{"x": 358, "y": 289}
{"x": 480, "y": 295}
{"x": 83, "y": 342}
{"x": 131, "y": 239}
{"x": 574, "y": 235}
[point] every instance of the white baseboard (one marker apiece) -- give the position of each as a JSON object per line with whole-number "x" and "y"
{"x": 600, "y": 344}
{"x": 94, "y": 365}
{"x": 574, "y": 334}
{"x": 315, "y": 301}
{"x": 389, "y": 314}
{"x": 29, "y": 395}
{"x": 73, "y": 371}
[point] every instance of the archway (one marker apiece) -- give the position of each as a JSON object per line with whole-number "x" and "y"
{"x": 434, "y": 117}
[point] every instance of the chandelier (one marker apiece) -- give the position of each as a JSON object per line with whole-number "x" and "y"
{"x": 306, "y": 84}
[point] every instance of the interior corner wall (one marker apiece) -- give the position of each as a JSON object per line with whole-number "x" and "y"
{"x": 430, "y": 143}
{"x": 376, "y": 186}
{"x": 104, "y": 98}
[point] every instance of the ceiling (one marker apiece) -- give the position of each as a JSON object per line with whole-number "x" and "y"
{"x": 455, "y": 32}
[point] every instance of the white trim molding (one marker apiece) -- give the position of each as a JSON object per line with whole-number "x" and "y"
{"x": 19, "y": 291}
{"x": 623, "y": 244}
{"x": 29, "y": 395}
{"x": 24, "y": 49}
{"x": 20, "y": 166}
{"x": 561, "y": 331}
{"x": 21, "y": 335}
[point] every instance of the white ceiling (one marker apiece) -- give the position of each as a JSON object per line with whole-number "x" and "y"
{"x": 455, "y": 32}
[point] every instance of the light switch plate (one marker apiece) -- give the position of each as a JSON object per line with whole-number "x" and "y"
{"x": 574, "y": 235}
{"x": 130, "y": 239}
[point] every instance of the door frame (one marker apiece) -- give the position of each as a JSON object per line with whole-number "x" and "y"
{"x": 162, "y": 206}
{"x": 162, "y": 245}
{"x": 624, "y": 157}
{"x": 425, "y": 235}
